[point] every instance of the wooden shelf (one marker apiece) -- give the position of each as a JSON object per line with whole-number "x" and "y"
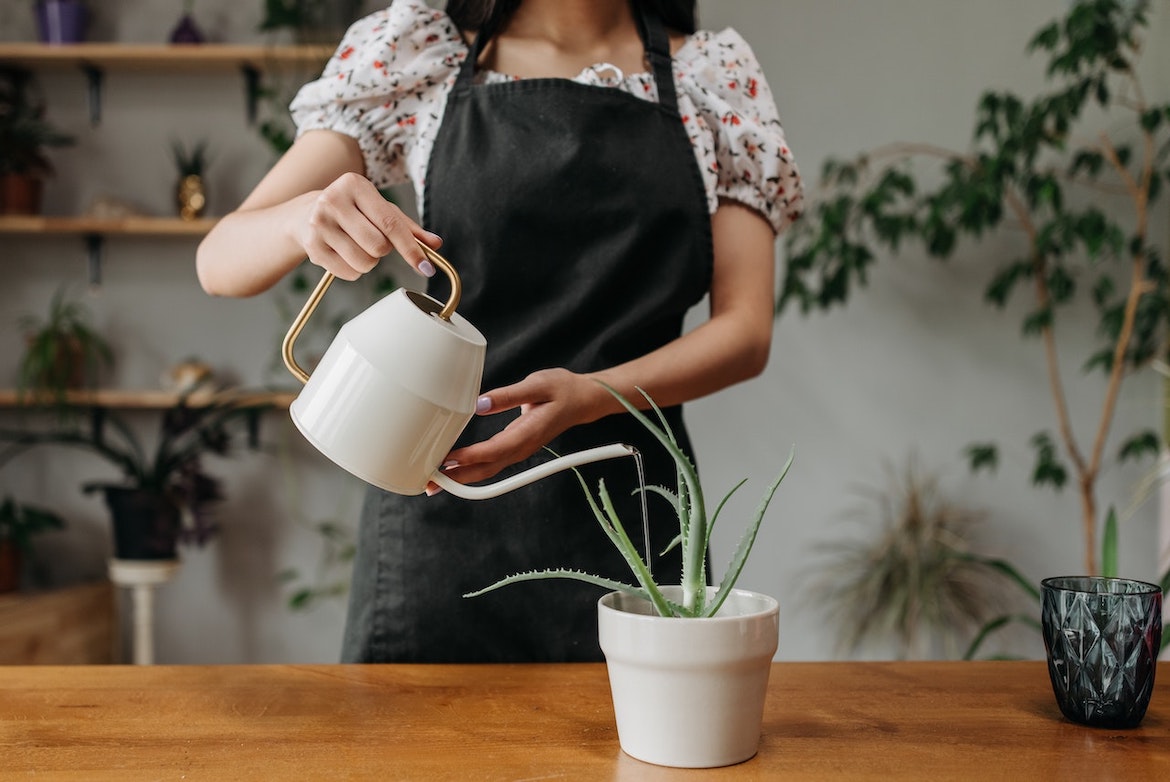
{"x": 150, "y": 399}
{"x": 131, "y": 56}
{"x": 89, "y": 226}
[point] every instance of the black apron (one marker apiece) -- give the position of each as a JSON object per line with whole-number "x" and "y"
{"x": 577, "y": 219}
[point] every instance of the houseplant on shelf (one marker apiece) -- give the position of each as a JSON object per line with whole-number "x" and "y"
{"x": 63, "y": 351}
{"x": 18, "y": 524}
{"x": 165, "y": 496}
{"x": 24, "y": 137}
{"x": 671, "y": 650}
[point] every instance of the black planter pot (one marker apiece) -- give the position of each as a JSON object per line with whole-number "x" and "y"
{"x": 146, "y": 524}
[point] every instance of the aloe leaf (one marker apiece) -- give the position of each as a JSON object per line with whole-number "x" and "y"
{"x": 630, "y": 553}
{"x": 695, "y": 532}
{"x": 722, "y": 502}
{"x": 575, "y": 575}
{"x": 1109, "y": 546}
{"x": 746, "y": 542}
{"x": 611, "y": 524}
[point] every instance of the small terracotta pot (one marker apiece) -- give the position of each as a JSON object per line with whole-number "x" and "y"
{"x": 20, "y": 194}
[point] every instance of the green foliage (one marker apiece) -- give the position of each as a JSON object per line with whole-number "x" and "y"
{"x": 24, "y": 132}
{"x": 190, "y": 162}
{"x": 281, "y": 14}
{"x": 1109, "y": 569}
{"x": 694, "y": 533}
{"x": 63, "y": 350}
{"x": 1081, "y": 211}
{"x": 173, "y": 467}
{"x": 20, "y": 522}
{"x": 911, "y": 577}
{"x": 332, "y": 576}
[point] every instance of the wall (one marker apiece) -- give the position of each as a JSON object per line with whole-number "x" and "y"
{"x": 916, "y": 363}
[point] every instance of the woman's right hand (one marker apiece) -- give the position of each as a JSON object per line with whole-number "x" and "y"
{"x": 314, "y": 202}
{"x": 349, "y": 227}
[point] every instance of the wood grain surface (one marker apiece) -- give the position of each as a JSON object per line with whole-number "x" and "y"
{"x": 823, "y": 721}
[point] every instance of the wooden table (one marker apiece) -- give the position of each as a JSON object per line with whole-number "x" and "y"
{"x": 824, "y": 721}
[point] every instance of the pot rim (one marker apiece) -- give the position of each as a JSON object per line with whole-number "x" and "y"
{"x": 772, "y": 606}
{"x": 1063, "y": 584}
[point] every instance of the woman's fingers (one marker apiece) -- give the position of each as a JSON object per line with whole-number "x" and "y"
{"x": 351, "y": 227}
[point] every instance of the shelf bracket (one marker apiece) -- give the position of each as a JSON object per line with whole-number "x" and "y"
{"x": 93, "y": 79}
{"x": 93, "y": 251}
{"x": 251, "y": 90}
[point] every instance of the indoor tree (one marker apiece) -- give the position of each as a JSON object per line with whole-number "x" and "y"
{"x": 1083, "y": 211}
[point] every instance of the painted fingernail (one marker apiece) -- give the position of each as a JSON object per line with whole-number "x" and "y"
{"x": 483, "y": 404}
{"x": 447, "y": 465}
{"x": 433, "y": 490}
{"x": 436, "y": 239}
{"x": 426, "y": 269}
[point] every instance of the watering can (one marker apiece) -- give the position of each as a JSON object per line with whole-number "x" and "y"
{"x": 395, "y": 389}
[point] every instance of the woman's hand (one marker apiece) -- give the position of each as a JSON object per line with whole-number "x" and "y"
{"x": 550, "y": 401}
{"x": 314, "y": 202}
{"x": 349, "y": 227}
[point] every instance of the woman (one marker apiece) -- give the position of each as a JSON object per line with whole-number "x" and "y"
{"x": 592, "y": 176}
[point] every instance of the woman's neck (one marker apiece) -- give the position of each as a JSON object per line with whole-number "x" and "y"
{"x": 572, "y": 24}
{"x": 560, "y": 38}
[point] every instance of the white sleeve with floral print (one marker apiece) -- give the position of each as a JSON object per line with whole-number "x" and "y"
{"x": 387, "y": 84}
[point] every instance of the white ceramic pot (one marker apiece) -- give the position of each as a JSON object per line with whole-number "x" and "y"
{"x": 689, "y": 693}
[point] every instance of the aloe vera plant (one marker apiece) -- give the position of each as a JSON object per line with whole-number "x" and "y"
{"x": 694, "y": 532}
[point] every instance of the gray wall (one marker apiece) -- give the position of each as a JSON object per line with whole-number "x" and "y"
{"x": 916, "y": 364}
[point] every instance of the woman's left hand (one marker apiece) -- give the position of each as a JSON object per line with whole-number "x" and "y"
{"x": 550, "y": 401}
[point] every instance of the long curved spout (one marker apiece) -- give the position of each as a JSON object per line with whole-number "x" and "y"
{"x": 533, "y": 474}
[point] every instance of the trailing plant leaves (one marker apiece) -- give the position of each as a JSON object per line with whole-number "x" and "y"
{"x": 1048, "y": 470}
{"x": 983, "y": 456}
{"x": 1146, "y": 443}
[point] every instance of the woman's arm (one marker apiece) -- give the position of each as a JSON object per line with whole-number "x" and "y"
{"x": 731, "y": 346}
{"x": 317, "y": 203}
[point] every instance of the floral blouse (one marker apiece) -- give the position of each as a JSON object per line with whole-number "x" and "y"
{"x": 387, "y": 85}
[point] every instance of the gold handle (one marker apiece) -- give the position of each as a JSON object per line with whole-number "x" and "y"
{"x": 298, "y": 325}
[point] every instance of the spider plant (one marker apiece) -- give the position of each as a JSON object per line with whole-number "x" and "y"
{"x": 913, "y": 580}
{"x": 694, "y": 532}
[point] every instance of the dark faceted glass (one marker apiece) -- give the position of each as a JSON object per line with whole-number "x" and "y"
{"x": 1102, "y": 637}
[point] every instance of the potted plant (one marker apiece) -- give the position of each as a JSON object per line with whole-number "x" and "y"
{"x": 165, "y": 496}
{"x": 670, "y": 649}
{"x": 911, "y": 578}
{"x": 24, "y": 137}
{"x": 18, "y": 524}
{"x": 1082, "y": 214}
{"x": 63, "y": 351}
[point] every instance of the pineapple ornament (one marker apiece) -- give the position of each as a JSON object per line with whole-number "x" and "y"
{"x": 190, "y": 196}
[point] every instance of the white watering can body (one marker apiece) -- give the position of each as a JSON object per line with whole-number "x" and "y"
{"x": 396, "y": 388}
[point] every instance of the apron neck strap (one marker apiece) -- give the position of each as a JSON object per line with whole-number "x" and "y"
{"x": 650, "y": 29}
{"x": 657, "y": 45}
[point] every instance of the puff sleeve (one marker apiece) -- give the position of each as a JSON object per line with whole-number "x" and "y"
{"x": 384, "y": 86}
{"x": 736, "y": 128}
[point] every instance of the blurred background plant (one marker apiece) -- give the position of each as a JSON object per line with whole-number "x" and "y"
{"x": 908, "y": 578}
{"x": 1079, "y": 211}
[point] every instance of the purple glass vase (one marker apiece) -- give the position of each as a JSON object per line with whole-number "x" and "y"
{"x": 186, "y": 31}
{"x": 62, "y": 21}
